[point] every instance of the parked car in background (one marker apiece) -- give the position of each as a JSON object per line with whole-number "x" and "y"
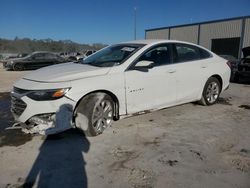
{"x": 33, "y": 61}
{"x": 22, "y": 55}
{"x": 68, "y": 54}
{"x": 233, "y": 64}
{"x": 89, "y": 52}
{"x": 76, "y": 56}
{"x": 242, "y": 69}
{"x": 11, "y": 56}
{"x": 85, "y": 55}
{"x": 73, "y": 56}
{"x": 5, "y": 59}
{"x": 118, "y": 81}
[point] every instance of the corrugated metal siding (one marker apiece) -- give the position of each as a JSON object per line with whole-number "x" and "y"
{"x": 157, "y": 34}
{"x": 246, "y": 41}
{"x": 227, "y": 29}
{"x": 188, "y": 33}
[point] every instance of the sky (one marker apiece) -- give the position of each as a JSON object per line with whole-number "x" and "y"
{"x": 107, "y": 21}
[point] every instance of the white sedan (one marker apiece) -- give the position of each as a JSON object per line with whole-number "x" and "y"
{"x": 118, "y": 81}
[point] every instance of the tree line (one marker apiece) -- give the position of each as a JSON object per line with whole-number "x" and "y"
{"x": 27, "y": 45}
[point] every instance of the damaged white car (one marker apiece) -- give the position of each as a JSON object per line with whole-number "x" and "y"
{"x": 117, "y": 81}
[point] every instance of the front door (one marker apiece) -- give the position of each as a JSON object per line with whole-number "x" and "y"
{"x": 154, "y": 87}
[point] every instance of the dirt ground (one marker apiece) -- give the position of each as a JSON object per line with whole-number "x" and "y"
{"x": 189, "y": 146}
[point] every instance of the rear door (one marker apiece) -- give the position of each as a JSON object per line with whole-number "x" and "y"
{"x": 192, "y": 64}
{"x": 36, "y": 60}
{"x": 44, "y": 59}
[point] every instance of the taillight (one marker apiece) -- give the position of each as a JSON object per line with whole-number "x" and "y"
{"x": 229, "y": 64}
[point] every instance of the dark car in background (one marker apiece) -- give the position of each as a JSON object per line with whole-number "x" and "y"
{"x": 12, "y": 56}
{"x": 22, "y": 55}
{"x": 242, "y": 70}
{"x": 233, "y": 64}
{"x": 34, "y": 61}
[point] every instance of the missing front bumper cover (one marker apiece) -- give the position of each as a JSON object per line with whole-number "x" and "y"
{"x": 52, "y": 123}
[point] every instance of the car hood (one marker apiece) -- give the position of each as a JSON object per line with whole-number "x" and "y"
{"x": 17, "y": 59}
{"x": 246, "y": 51}
{"x": 66, "y": 72}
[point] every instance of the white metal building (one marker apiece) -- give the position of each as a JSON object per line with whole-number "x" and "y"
{"x": 224, "y": 37}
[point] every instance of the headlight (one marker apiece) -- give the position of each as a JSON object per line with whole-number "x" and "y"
{"x": 9, "y": 62}
{"x": 47, "y": 95}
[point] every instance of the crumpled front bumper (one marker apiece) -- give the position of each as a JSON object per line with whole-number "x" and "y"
{"x": 7, "y": 65}
{"x": 44, "y": 117}
{"x": 52, "y": 123}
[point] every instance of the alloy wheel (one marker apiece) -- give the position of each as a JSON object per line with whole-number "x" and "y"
{"x": 212, "y": 92}
{"x": 102, "y": 116}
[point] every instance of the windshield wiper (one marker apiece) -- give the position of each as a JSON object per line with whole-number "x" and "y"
{"x": 102, "y": 64}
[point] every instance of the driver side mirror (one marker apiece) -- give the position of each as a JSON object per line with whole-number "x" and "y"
{"x": 144, "y": 65}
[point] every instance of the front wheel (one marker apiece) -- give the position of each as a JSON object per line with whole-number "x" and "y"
{"x": 211, "y": 92}
{"x": 94, "y": 113}
{"x": 18, "y": 67}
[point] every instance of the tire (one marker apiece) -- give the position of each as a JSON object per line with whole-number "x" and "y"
{"x": 211, "y": 92}
{"x": 18, "y": 67}
{"x": 94, "y": 114}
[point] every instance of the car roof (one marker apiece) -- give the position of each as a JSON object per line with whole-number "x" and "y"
{"x": 156, "y": 41}
{"x": 42, "y": 52}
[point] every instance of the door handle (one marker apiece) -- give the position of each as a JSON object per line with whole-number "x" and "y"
{"x": 203, "y": 66}
{"x": 171, "y": 71}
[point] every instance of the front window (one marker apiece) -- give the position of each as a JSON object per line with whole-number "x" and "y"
{"x": 38, "y": 56}
{"x": 159, "y": 55}
{"x": 112, "y": 55}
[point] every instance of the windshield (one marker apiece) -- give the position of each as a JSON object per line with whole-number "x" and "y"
{"x": 112, "y": 55}
{"x": 30, "y": 55}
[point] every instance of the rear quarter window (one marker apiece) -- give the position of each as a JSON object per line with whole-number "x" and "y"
{"x": 204, "y": 54}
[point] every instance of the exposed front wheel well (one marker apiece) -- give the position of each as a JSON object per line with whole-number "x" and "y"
{"x": 113, "y": 96}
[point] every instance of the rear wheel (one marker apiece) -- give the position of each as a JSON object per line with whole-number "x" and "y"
{"x": 18, "y": 67}
{"x": 94, "y": 113}
{"x": 211, "y": 92}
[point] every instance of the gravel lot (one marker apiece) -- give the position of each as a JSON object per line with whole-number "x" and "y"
{"x": 184, "y": 146}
